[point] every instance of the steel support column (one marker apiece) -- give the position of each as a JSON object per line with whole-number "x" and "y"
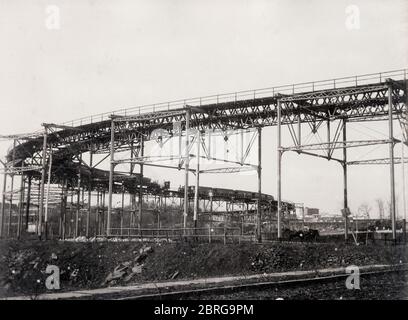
{"x": 11, "y": 192}
{"x": 27, "y": 208}
{"x": 122, "y": 211}
{"x": 3, "y": 202}
{"x": 64, "y": 196}
{"x": 131, "y": 195}
{"x": 279, "y": 167}
{"x": 47, "y": 196}
{"x": 88, "y": 214}
{"x": 78, "y": 206}
{"x": 141, "y": 184}
{"x": 10, "y": 205}
{"x": 158, "y": 213}
{"x": 42, "y": 184}
{"x": 97, "y": 215}
{"x": 197, "y": 185}
{"x": 111, "y": 172}
{"x": 37, "y": 218}
{"x": 225, "y": 215}
{"x": 103, "y": 220}
{"x": 211, "y": 214}
{"x": 391, "y": 155}
{"x": 328, "y": 139}
{"x": 404, "y": 200}
{"x": 186, "y": 163}
{"x": 299, "y": 129}
{"x": 21, "y": 203}
{"x": 259, "y": 169}
{"x": 345, "y": 183}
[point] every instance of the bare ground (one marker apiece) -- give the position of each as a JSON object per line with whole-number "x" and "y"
{"x": 88, "y": 265}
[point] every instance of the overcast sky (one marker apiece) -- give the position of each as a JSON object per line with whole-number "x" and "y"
{"x": 111, "y": 54}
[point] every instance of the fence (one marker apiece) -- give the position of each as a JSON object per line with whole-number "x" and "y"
{"x": 209, "y": 234}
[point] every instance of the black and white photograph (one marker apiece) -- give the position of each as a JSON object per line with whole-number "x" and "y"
{"x": 207, "y": 156}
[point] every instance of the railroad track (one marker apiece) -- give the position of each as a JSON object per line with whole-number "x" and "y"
{"x": 250, "y": 286}
{"x": 227, "y": 289}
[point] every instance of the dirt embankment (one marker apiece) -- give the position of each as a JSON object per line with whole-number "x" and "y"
{"x": 97, "y": 264}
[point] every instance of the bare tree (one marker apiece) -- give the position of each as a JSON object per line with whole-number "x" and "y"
{"x": 364, "y": 210}
{"x": 389, "y": 208}
{"x": 380, "y": 205}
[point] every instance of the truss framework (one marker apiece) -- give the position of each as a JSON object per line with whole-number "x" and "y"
{"x": 388, "y": 101}
{"x": 59, "y": 149}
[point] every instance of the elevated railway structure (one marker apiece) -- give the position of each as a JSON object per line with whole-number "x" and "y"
{"x": 63, "y": 155}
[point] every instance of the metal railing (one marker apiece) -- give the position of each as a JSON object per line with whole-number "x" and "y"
{"x": 207, "y": 234}
{"x": 335, "y": 83}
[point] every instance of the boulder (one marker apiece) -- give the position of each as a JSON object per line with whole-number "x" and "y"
{"x": 137, "y": 269}
{"x": 146, "y": 250}
{"x": 115, "y": 275}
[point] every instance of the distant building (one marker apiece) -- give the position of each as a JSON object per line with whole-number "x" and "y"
{"x": 311, "y": 211}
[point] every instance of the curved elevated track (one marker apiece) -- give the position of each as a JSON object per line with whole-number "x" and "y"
{"x": 55, "y": 154}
